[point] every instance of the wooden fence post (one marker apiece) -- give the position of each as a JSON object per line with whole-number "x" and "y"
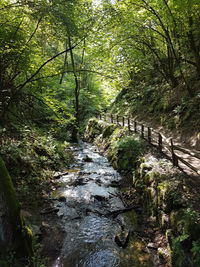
{"x": 174, "y": 157}
{"x": 117, "y": 120}
{"x": 142, "y": 130}
{"x": 135, "y": 126}
{"x": 123, "y": 121}
{"x": 129, "y": 126}
{"x": 111, "y": 118}
{"x": 149, "y": 135}
{"x": 160, "y": 142}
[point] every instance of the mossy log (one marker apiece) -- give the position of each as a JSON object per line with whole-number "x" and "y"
{"x": 14, "y": 235}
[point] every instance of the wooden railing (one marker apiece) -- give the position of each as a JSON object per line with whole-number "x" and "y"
{"x": 157, "y": 139}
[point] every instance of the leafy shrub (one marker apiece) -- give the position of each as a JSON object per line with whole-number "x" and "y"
{"x": 179, "y": 255}
{"x": 188, "y": 240}
{"x": 196, "y": 253}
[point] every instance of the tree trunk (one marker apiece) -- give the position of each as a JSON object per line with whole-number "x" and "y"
{"x": 76, "y": 93}
{"x": 14, "y": 235}
{"x": 193, "y": 46}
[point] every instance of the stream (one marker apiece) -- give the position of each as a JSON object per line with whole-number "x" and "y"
{"x": 86, "y": 195}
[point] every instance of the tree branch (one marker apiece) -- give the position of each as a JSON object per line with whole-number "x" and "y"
{"x": 68, "y": 71}
{"x": 42, "y": 66}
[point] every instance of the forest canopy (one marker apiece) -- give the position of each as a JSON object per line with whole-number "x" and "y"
{"x": 66, "y": 59}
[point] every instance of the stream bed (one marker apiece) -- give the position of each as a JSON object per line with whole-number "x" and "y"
{"x": 86, "y": 197}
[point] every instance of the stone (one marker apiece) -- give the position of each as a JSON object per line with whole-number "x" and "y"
{"x": 100, "y": 198}
{"x": 62, "y": 198}
{"x": 87, "y": 159}
{"x": 152, "y": 246}
{"x": 58, "y": 175}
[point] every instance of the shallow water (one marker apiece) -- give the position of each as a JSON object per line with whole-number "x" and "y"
{"x": 89, "y": 189}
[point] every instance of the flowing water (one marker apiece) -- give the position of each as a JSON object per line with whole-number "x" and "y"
{"x": 85, "y": 198}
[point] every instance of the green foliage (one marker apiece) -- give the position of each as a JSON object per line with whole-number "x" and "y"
{"x": 179, "y": 256}
{"x": 33, "y": 157}
{"x": 196, "y": 253}
{"x": 188, "y": 240}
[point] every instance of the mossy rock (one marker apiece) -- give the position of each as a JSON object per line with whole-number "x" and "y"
{"x": 108, "y": 130}
{"x": 14, "y": 234}
{"x": 125, "y": 151}
{"x": 151, "y": 177}
{"x": 144, "y": 167}
{"x": 94, "y": 128}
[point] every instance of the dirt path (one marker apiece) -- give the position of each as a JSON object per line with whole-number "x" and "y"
{"x": 188, "y": 159}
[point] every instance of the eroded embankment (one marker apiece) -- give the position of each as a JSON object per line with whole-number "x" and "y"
{"x": 167, "y": 196}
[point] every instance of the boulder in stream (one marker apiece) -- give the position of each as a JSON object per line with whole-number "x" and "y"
{"x": 87, "y": 159}
{"x": 100, "y": 198}
{"x": 62, "y": 198}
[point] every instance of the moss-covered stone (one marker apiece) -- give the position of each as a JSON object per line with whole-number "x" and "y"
{"x": 93, "y": 129}
{"x": 108, "y": 130}
{"x": 14, "y": 236}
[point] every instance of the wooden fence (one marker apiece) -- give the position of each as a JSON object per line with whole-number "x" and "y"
{"x": 164, "y": 145}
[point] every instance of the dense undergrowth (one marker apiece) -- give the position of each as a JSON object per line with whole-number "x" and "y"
{"x": 32, "y": 156}
{"x": 165, "y": 193}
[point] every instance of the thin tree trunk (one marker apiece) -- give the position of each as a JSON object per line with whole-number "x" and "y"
{"x": 193, "y": 47}
{"x": 76, "y": 92}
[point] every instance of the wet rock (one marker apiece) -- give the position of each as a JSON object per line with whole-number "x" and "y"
{"x": 58, "y": 175}
{"x": 62, "y": 198}
{"x": 86, "y": 173}
{"x": 100, "y": 198}
{"x": 87, "y": 159}
{"x": 88, "y": 210}
{"x": 44, "y": 228}
{"x": 60, "y": 214}
{"x": 76, "y": 218}
{"x": 49, "y": 210}
{"x": 122, "y": 239}
{"x": 80, "y": 181}
{"x": 99, "y": 182}
{"x": 115, "y": 184}
{"x": 59, "y": 205}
